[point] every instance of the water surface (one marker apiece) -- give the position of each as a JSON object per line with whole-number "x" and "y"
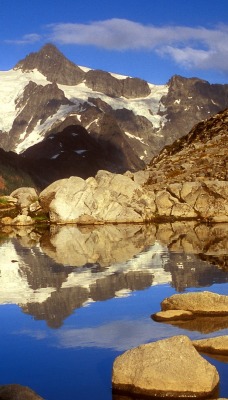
{"x": 73, "y": 298}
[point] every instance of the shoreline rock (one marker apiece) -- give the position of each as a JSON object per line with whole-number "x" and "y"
{"x": 115, "y": 198}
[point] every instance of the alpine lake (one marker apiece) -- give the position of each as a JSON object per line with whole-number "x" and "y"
{"x": 72, "y": 298}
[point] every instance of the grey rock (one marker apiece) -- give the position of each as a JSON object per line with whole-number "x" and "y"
{"x": 25, "y": 196}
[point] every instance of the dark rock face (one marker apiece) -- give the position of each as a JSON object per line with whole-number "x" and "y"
{"x": 52, "y": 64}
{"x": 104, "y": 82}
{"x": 135, "y": 87}
{"x": 13, "y": 172}
{"x": 190, "y": 100}
{"x": 74, "y": 152}
{"x": 36, "y": 104}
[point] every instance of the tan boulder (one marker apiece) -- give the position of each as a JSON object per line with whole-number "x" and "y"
{"x": 6, "y": 221}
{"x": 25, "y": 196}
{"x": 216, "y": 345}
{"x": 207, "y": 303}
{"x": 172, "y": 315}
{"x": 170, "y": 368}
{"x": 164, "y": 202}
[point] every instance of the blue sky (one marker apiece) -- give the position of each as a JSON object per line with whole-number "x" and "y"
{"x": 149, "y": 39}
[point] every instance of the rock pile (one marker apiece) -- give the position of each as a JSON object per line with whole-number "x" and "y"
{"x": 173, "y": 367}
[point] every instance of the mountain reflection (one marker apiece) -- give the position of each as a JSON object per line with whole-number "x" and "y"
{"x": 52, "y": 272}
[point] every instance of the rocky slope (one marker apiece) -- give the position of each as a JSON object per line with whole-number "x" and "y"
{"x": 200, "y": 155}
{"x": 45, "y": 89}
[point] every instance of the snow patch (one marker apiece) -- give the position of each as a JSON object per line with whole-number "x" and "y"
{"x": 12, "y": 84}
{"x": 135, "y": 137}
{"x": 55, "y": 156}
{"x": 80, "y": 151}
{"x": 89, "y": 125}
{"x": 38, "y": 132}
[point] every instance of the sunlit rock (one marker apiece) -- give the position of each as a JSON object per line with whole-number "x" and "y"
{"x": 172, "y": 315}
{"x": 217, "y": 345}
{"x": 207, "y": 303}
{"x": 170, "y": 367}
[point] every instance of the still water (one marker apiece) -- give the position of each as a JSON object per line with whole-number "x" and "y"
{"x": 73, "y": 298}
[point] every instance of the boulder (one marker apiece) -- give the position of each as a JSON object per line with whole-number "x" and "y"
{"x": 170, "y": 368}
{"x": 6, "y": 221}
{"x": 115, "y": 198}
{"x": 17, "y": 392}
{"x": 25, "y": 196}
{"x": 216, "y": 345}
{"x": 108, "y": 197}
{"x": 204, "y": 303}
{"x": 172, "y": 315}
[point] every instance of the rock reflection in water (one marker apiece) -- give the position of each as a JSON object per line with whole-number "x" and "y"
{"x": 203, "y": 325}
{"x": 67, "y": 267}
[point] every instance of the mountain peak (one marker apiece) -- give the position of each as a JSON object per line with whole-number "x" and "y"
{"x": 50, "y": 49}
{"x": 52, "y": 64}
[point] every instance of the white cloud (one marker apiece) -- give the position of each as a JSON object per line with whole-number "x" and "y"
{"x": 26, "y": 39}
{"x": 191, "y": 47}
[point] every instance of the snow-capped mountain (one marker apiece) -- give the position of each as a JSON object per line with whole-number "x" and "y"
{"x": 45, "y": 93}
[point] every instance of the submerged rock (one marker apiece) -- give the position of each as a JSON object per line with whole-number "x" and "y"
{"x": 170, "y": 368}
{"x": 17, "y": 392}
{"x": 172, "y": 315}
{"x": 217, "y": 345}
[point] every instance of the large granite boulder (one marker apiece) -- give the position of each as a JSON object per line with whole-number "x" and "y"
{"x": 202, "y": 303}
{"x": 166, "y": 368}
{"x": 108, "y": 197}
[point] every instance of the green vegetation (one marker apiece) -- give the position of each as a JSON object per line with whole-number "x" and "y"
{"x": 13, "y": 178}
{"x": 3, "y": 201}
{"x": 40, "y": 218}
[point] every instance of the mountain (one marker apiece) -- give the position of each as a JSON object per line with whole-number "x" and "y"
{"x": 45, "y": 93}
{"x": 198, "y": 156}
{"x": 73, "y": 151}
